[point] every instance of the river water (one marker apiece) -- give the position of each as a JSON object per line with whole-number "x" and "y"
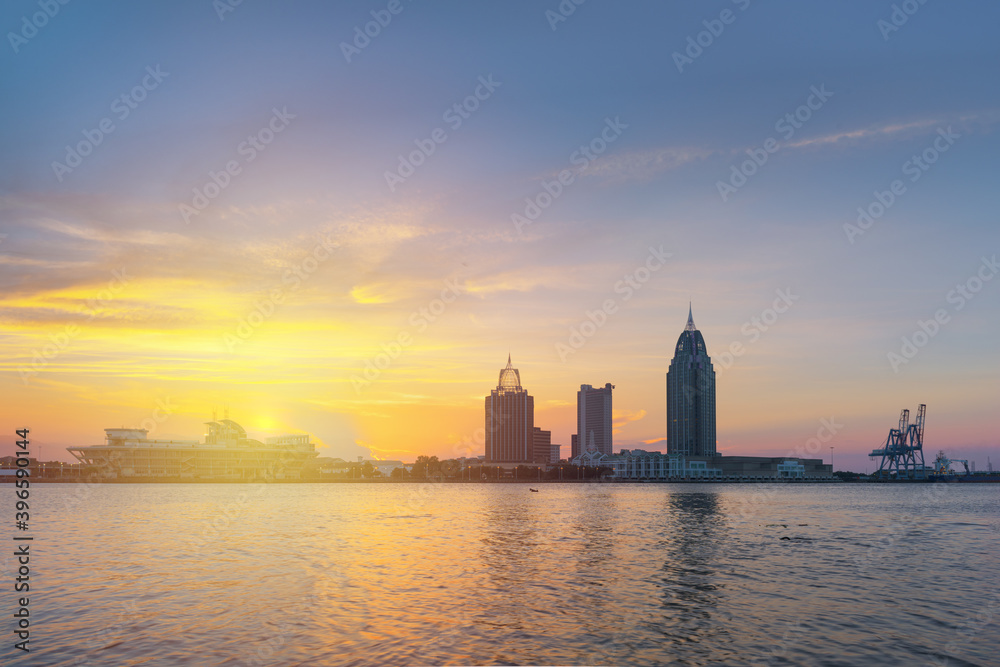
{"x": 455, "y": 574}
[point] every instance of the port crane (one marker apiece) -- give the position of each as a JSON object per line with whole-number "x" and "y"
{"x": 902, "y": 454}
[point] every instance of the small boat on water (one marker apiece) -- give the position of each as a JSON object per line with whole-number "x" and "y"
{"x": 532, "y": 490}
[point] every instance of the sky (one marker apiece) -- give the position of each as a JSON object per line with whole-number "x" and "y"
{"x": 259, "y": 207}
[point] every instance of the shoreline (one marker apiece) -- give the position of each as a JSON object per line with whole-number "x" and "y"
{"x": 153, "y": 480}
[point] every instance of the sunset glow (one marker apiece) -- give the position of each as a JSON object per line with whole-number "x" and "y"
{"x": 311, "y": 294}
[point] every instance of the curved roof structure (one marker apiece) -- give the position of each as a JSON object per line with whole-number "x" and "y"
{"x": 226, "y": 425}
{"x": 234, "y": 426}
{"x": 691, "y": 341}
{"x": 510, "y": 379}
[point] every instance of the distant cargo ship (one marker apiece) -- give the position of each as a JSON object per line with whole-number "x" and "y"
{"x": 227, "y": 455}
{"x": 942, "y": 472}
{"x": 974, "y": 477}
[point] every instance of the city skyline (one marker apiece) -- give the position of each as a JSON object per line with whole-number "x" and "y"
{"x": 202, "y": 210}
{"x": 266, "y": 267}
{"x": 466, "y": 446}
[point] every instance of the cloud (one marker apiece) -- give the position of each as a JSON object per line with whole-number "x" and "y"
{"x": 891, "y": 131}
{"x": 121, "y": 236}
{"x": 619, "y": 418}
{"x": 41, "y": 263}
{"x": 897, "y": 130}
{"x": 642, "y": 166}
{"x": 375, "y": 293}
{"x": 519, "y": 280}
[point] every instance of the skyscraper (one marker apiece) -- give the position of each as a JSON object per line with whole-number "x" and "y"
{"x": 593, "y": 420}
{"x": 543, "y": 446}
{"x": 510, "y": 420}
{"x": 691, "y": 396}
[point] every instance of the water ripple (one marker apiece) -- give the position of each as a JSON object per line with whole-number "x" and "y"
{"x": 492, "y": 574}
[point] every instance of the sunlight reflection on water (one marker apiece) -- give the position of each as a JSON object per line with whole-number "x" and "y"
{"x": 600, "y": 574}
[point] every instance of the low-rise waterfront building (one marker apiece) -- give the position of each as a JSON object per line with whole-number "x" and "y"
{"x": 638, "y": 464}
{"x": 227, "y": 454}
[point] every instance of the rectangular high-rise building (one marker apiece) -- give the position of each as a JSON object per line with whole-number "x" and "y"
{"x": 510, "y": 420}
{"x": 593, "y": 420}
{"x": 543, "y": 446}
{"x": 691, "y": 396}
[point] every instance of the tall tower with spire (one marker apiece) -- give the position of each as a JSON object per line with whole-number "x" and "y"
{"x": 691, "y": 396}
{"x": 510, "y": 420}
